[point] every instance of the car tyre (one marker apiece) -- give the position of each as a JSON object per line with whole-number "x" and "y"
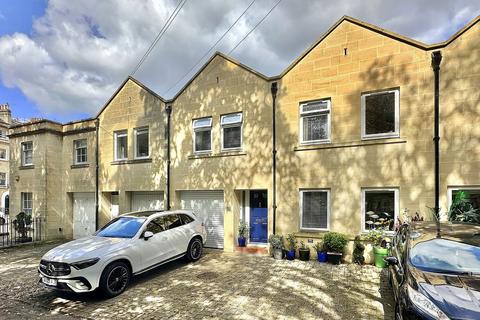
{"x": 114, "y": 279}
{"x": 195, "y": 250}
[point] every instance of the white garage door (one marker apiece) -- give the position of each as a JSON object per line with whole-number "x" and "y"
{"x": 208, "y": 205}
{"x": 83, "y": 214}
{"x": 147, "y": 201}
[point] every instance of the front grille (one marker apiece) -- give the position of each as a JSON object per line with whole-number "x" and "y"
{"x": 54, "y": 269}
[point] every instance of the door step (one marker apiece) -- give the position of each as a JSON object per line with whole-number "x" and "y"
{"x": 260, "y": 250}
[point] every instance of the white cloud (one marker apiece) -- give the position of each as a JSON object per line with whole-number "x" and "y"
{"x": 79, "y": 52}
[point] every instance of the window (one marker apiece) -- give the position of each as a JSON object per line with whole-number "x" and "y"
{"x": 380, "y": 209}
{"x": 121, "y": 145}
{"x": 27, "y": 153}
{"x": 141, "y": 143}
{"x": 231, "y": 131}
{"x": 172, "y": 221}
{"x": 470, "y": 196}
{"x": 3, "y": 134}
{"x": 186, "y": 219}
{"x": 314, "y": 209}
{"x": 3, "y": 179}
{"x": 80, "y": 151}
{"x": 3, "y": 154}
{"x": 315, "y": 121}
{"x": 122, "y": 227}
{"x": 380, "y": 114}
{"x": 27, "y": 202}
{"x": 156, "y": 225}
{"x": 202, "y": 135}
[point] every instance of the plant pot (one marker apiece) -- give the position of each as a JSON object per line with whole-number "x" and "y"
{"x": 321, "y": 256}
{"x": 380, "y": 254}
{"x": 291, "y": 255}
{"x": 242, "y": 241}
{"x": 334, "y": 257}
{"x": 277, "y": 254}
{"x": 304, "y": 254}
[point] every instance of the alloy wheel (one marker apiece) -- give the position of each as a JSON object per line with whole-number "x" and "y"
{"x": 117, "y": 279}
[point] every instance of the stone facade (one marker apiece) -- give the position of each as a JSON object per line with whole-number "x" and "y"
{"x": 352, "y": 59}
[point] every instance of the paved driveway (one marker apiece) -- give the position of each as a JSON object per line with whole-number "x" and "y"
{"x": 220, "y": 285}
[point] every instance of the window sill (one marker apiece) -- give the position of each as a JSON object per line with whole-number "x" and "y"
{"x": 352, "y": 144}
{"x": 80, "y": 165}
{"x": 134, "y": 161}
{"x": 217, "y": 155}
{"x": 27, "y": 167}
{"x": 380, "y": 137}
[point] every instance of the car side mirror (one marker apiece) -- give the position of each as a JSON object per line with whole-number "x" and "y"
{"x": 391, "y": 261}
{"x": 147, "y": 235}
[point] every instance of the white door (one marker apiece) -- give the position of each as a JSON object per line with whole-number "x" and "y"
{"x": 209, "y": 206}
{"x": 142, "y": 201}
{"x": 83, "y": 214}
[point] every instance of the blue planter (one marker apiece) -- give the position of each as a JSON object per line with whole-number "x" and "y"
{"x": 322, "y": 256}
{"x": 242, "y": 241}
{"x": 291, "y": 255}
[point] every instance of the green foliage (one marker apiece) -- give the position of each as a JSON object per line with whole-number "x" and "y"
{"x": 291, "y": 242}
{"x": 376, "y": 236}
{"x": 462, "y": 210}
{"x": 335, "y": 242}
{"x": 21, "y": 223}
{"x": 242, "y": 229}
{"x": 358, "y": 249}
{"x": 276, "y": 241}
{"x": 318, "y": 246}
{"x": 303, "y": 246}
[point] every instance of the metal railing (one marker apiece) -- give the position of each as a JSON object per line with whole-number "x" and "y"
{"x": 14, "y": 232}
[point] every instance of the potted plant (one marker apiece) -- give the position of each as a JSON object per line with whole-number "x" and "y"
{"x": 303, "y": 251}
{"x": 291, "y": 246}
{"x": 380, "y": 250}
{"x": 358, "y": 249}
{"x": 242, "y": 234}
{"x": 321, "y": 253}
{"x": 276, "y": 243}
{"x": 22, "y": 224}
{"x": 335, "y": 244}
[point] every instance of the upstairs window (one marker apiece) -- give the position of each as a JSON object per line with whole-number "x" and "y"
{"x": 3, "y": 154}
{"x": 315, "y": 121}
{"x": 27, "y": 153}
{"x": 121, "y": 145}
{"x": 27, "y": 202}
{"x": 202, "y": 135}
{"x": 380, "y": 114}
{"x": 3, "y": 134}
{"x": 80, "y": 151}
{"x": 3, "y": 179}
{"x": 231, "y": 131}
{"x": 314, "y": 209}
{"x": 142, "y": 143}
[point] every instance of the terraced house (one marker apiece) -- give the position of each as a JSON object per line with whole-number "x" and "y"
{"x": 341, "y": 140}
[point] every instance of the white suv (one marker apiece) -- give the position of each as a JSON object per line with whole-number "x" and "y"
{"x": 129, "y": 245}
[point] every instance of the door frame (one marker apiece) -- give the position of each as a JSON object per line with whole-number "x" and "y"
{"x": 245, "y": 213}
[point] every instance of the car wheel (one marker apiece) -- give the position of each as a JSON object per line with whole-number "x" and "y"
{"x": 195, "y": 250}
{"x": 115, "y": 278}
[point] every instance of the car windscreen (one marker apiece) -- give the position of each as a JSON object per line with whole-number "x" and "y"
{"x": 441, "y": 255}
{"x": 122, "y": 227}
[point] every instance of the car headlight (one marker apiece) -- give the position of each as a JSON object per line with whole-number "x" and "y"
{"x": 424, "y": 304}
{"x": 84, "y": 263}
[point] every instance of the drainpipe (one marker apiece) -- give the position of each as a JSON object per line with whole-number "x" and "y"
{"x": 436, "y": 59}
{"x": 97, "y": 127}
{"x": 168, "y": 109}
{"x": 274, "y": 90}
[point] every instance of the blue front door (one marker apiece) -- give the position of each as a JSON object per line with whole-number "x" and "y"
{"x": 258, "y": 216}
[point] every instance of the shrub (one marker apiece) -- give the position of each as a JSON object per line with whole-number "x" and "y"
{"x": 335, "y": 242}
{"x": 276, "y": 241}
{"x": 242, "y": 229}
{"x": 376, "y": 237}
{"x": 318, "y": 246}
{"x": 358, "y": 249}
{"x": 303, "y": 246}
{"x": 291, "y": 242}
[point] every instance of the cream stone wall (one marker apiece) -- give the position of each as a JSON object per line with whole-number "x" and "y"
{"x": 4, "y": 164}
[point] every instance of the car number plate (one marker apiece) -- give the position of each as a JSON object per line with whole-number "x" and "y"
{"x": 48, "y": 281}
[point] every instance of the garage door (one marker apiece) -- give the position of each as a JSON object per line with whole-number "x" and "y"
{"x": 83, "y": 214}
{"x": 147, "y": 201}
{"x": 208, "y": 205}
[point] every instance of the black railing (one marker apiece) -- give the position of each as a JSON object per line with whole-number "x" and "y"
{"x": 14, "y": 232}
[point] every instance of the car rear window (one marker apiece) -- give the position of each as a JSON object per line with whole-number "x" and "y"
{"x": 441, "y": 255}
{"x": 123, "y": 227}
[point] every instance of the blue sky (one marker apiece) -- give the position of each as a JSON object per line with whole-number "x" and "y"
{"x": 62, "y": 59}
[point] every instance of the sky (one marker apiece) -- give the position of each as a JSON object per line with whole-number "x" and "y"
{"x": 63, "y": 59}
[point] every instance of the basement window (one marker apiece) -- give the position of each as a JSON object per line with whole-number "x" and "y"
{"x": 380, "y": 209}
{"x": 202, "y": 135}
{"x": 315, "y": 121}
{"x": 314, "y": 210}
{"x": 141, "y": 143}
{"x": 231, "y": 131}
{"x": 121, "y": 145}
{"x": 27, "y": 153}
{"x": 80, "y": 151}
{"x": 380, "y": 114}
